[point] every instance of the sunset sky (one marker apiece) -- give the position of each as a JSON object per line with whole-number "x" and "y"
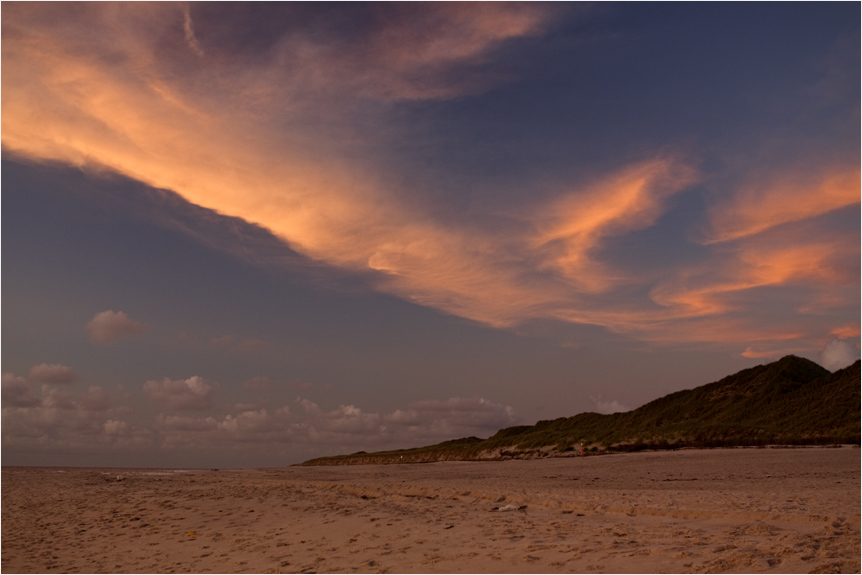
{"x": 251, "y": 234}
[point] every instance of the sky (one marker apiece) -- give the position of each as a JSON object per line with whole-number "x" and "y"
{"x": 242, "y": 235}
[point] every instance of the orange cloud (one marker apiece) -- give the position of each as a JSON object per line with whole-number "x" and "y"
{"x": 155, "y": 128}
{"x": 787, "y": 197}
{"x": 785, "y": 260}
{"x": 845, "y": 331}
{"x": 272, "y": 140}
{"x": 571, "y": 228}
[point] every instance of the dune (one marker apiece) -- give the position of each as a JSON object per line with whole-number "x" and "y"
{"x": 694, "y": 511}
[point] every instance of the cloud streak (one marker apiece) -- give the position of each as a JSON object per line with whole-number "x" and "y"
{"x": 773, "y": 200}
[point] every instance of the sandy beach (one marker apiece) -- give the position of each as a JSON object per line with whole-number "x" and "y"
{"x": 732, "y": 510}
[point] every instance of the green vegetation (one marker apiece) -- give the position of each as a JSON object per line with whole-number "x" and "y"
{"x": 792, "y": 401}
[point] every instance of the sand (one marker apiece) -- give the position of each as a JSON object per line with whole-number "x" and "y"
{"x": 731, "y": 510}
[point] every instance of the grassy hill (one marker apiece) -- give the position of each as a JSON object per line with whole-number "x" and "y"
{"x": 791, "y": 401}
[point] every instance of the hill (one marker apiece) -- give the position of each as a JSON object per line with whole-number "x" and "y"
{"x": 791, "y": 401}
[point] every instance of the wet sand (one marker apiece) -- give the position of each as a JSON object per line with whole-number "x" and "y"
{"x": 732, "y": 510}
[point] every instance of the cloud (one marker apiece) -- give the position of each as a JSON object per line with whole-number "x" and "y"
{"x": 50, "y": 419}
{"x": 572, "y": 226}
{"x": 249, "y": 422}
{"x": 347, "y": 427}
{"x": 183, "y": 423}
{"x": 189, "y": 31}
{"x": 794, "y": 282}
{"x": 309, "y": 406}
{"x": 97, "y": 399}
{"x": 224, "y": 340}
{"x": 17, "y": 392}
{"x": 110, "y": 326}
{"x": 398, "y": 52}
{"x": 186, "y": 394}
{"x": 780, "y": 198}
{"x": 839, "y": 353}
{"x": 133, "y": 95}
{"x": 328, "y": 207}
{"x": 113, "y": 427}
{"x": 420, "y": 422}
{"x": 819, "y": 259}
{"x": 844, "y": 331}
{"x": 52, "y": 373}
{"x": 608, "y": 407}
{"x": 457, "y": 415}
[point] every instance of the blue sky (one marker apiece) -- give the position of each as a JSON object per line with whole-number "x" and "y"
{"x": 239, "y": 234}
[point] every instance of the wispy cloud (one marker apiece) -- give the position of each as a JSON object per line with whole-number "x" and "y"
{"x": 779, "y": 198}
{"x": 189, "y": 30}
{"x": 572, "y": 227}
{"x": 138, "y": 99}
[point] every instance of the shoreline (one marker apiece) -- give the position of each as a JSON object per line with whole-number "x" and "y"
{"x": 554, "y": 455}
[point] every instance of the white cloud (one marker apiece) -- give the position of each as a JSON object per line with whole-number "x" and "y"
{"x": 607, "y": 407}
{"x": 186, "y": 394}
{"x": 420, "y": 423}
{"x": 109, "y": 326}
{"x": 52, "y": 373}
{"x": 114, "y": 427}
{"x": 55, "y": 399}
{"x": 247, "y": 422}
{"x": 308, "y": 406}
{"x": 55, "y": 419}
{"x": 839, "y": 353}
{"x": 343, "y": 429}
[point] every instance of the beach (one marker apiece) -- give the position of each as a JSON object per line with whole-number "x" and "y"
{"x": 703, "y": 511}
